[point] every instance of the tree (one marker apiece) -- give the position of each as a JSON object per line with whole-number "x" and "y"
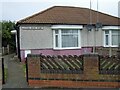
{"x": 7, "y": 37}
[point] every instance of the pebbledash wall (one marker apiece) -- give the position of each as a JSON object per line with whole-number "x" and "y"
{"x": 41, "y": 41}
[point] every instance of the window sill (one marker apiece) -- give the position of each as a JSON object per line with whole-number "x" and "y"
{"x": 67, "y": 48}
{"x": 111, "y": 46}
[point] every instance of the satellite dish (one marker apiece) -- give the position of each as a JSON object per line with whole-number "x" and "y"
{"x": 98, "y": 25}
{"x": 89, "y": 27}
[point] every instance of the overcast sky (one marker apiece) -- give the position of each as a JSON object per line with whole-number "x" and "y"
{"x": 15, "y": 10}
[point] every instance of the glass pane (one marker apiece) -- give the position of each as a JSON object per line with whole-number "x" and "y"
{"x": 106, "y": 32}
{"x": 69, "y": 40}
{"x": 119, "y": 38}
{"x": 74, "y": 31}
{"x": 114, "y": 32}
{"x": 56, "y": 31}
{"x": 107, "y": 39}
{"x": 69, "y": 31}
{"x": 56, "y": 40}
{"x": 114, "y": 39}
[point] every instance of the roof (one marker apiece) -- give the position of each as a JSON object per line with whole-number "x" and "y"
{"x": 69, "y": 15}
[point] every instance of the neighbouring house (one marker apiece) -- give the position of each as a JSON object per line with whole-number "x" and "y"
{"x": 64, "y": 30}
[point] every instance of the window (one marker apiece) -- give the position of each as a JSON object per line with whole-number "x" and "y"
{"x": 66, "y": 39}
{"x": 111, "y": 38}
{"x": 56, "y": 38}
{"x": 114, "y": 37}
{"x": 106, "y": 37}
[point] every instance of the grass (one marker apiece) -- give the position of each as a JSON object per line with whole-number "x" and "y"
{"x": 6, "y": 73}
{"x": 24, "y": 69}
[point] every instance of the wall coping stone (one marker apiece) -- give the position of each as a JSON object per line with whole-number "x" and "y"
{"x": 33, "y": 55}
{"x": 91, "y": 54}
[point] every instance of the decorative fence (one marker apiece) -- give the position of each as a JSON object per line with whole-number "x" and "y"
{"x": 73, "y": 71}
{"x": 109, "y": 65}
{"x": 61, "y": 64}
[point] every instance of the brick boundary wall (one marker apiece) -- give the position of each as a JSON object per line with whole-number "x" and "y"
{"x": 90, "y": 78}
{"x": 106, "y": 50}
{"x": 72, "y": 84}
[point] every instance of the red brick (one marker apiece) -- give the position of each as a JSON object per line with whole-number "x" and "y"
{"x": 91, "y": 72}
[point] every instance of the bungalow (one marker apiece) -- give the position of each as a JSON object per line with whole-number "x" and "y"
{"x": 63, "y": 30}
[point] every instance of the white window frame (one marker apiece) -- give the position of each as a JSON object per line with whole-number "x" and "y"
{"x": 60, "y": 40}
{"x": 110, "y": 39}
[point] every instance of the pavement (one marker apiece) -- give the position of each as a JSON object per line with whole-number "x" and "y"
{"x": 15, "y": 77}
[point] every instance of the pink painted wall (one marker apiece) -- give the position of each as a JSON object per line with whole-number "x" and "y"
{"x": 58, "y": 52}
{"x": 22, "y": 52}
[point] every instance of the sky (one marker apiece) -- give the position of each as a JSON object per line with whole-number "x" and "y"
{"x": 15, "y": 10}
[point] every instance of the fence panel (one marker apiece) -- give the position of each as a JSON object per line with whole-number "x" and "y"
{"x": 61, "y": 64}
{"x": 109, "y": 65}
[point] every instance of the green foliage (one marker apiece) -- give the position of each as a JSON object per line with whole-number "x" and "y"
{"x": 6, "y": 34}
{"x": 7, "y": 26}
{"x": 24, "y": 69}
{"x": 7, "y": 37}
{"x": 6, "y": 74}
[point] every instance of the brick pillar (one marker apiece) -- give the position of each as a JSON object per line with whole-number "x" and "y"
{"x": 91, "y": 66}
{"x": 33, "y": 66}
